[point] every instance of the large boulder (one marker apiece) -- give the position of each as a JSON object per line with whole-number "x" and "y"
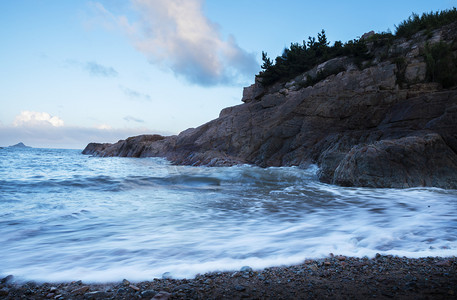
{"x": 423, "y": 160}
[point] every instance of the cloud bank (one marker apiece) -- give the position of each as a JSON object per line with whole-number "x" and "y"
{"x": 176, "y": 34}
{"x": 41, "y": 130}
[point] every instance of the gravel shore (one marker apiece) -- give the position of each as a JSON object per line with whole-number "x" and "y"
{"x": 335, "y": 277}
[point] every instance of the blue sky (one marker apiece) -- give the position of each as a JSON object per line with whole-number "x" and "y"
{"x": 76, "y": 71}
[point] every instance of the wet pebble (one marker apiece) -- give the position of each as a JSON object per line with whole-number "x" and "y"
{"x": 162, "y": 295}
{"x": 4, "y": 291}
{"x": 122, "y": 291}
{"x": 125, "y": 282}
{"x": 246, "y": 269}
{"x": 182, "y": 287}
{"x": 444, "y": 263}
{"x": 240, "y": 288}
{"x": 341, "y": 258}
{"x": 96, "y": 295}
{"x": 7, "y": 279}
{"x": 148, "y": 294}
{"x": 80, "y": 291}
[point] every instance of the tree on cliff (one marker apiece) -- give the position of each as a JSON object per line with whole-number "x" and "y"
{"x": 299, "y": 58}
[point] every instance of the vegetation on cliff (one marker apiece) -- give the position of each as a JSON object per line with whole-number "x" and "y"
{"x": 302, "y": 57}
{"x": 428, "y": 22}
{"x": 299, "y": 58}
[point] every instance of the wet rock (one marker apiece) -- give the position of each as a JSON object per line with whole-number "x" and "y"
{"x": 4, "y": 291}
{"x": 122, "y": 291}
{"x": 96, "y": 295}
{"x": 148, "y": 294}
{"x": 134, "y": 287}
{"x": 182, "y": 287}
{"x": 444, "y": 263}
{"x": 167, "y": 275}
{"x": 314, "y": 267}
{"x": 246, "y": 269}
{"x": 80, "y": 291}
{"x": 7, "y": 279}
{"x": 240, "y": 288}
{"x": 162, "y": 295}
{"x": 125, "y": 282}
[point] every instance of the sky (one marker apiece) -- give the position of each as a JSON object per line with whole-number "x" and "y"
{"x": 74, "y": 72}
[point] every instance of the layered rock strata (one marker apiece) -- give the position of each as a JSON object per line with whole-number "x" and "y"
{"x": 381, "y": 125}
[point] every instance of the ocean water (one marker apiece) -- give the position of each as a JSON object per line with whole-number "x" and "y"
{"x": 66, "y": 216}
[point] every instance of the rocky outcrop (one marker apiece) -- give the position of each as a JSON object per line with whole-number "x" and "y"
{"x": 131, "y": 147}
{"x": 381, "y": 125}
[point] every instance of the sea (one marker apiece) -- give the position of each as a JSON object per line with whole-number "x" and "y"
{"x": 65, "y": 216}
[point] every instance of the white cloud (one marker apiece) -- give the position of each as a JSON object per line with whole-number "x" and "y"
{"x": 32, "y": 118}
{"x": 97, "y": 69}
{"x": 104, "y": 127}
{"x": 135, "y": 94}
{"x": 41, "y": 130}
{"x": 176, "y": 34}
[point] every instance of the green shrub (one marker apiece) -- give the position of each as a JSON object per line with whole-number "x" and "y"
{"x": 400, "y": 61}
{"x": 299, "y": 58}
{"x": 427, "y": 21}
{"x": 441, "y": 64}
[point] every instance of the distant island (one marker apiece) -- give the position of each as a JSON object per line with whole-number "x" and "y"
{"x": 19, "y": 145}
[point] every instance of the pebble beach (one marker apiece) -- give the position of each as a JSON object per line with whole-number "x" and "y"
{"x": 335, "y": 277}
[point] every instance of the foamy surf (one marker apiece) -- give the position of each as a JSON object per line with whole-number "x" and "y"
{"x": 65, "y": 216}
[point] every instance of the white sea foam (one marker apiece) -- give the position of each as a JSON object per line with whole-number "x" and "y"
{"x": 65, "y": 216}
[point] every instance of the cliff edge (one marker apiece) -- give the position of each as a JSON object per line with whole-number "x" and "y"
{"x": 382, "y": 122}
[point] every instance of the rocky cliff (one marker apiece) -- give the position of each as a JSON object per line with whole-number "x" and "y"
{"x": 380, "y": 123}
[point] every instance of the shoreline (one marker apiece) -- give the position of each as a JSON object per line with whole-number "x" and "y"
{"x": 336, "y": 277}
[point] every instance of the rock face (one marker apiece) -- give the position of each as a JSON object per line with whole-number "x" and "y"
{"x": 379, "y": 126}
